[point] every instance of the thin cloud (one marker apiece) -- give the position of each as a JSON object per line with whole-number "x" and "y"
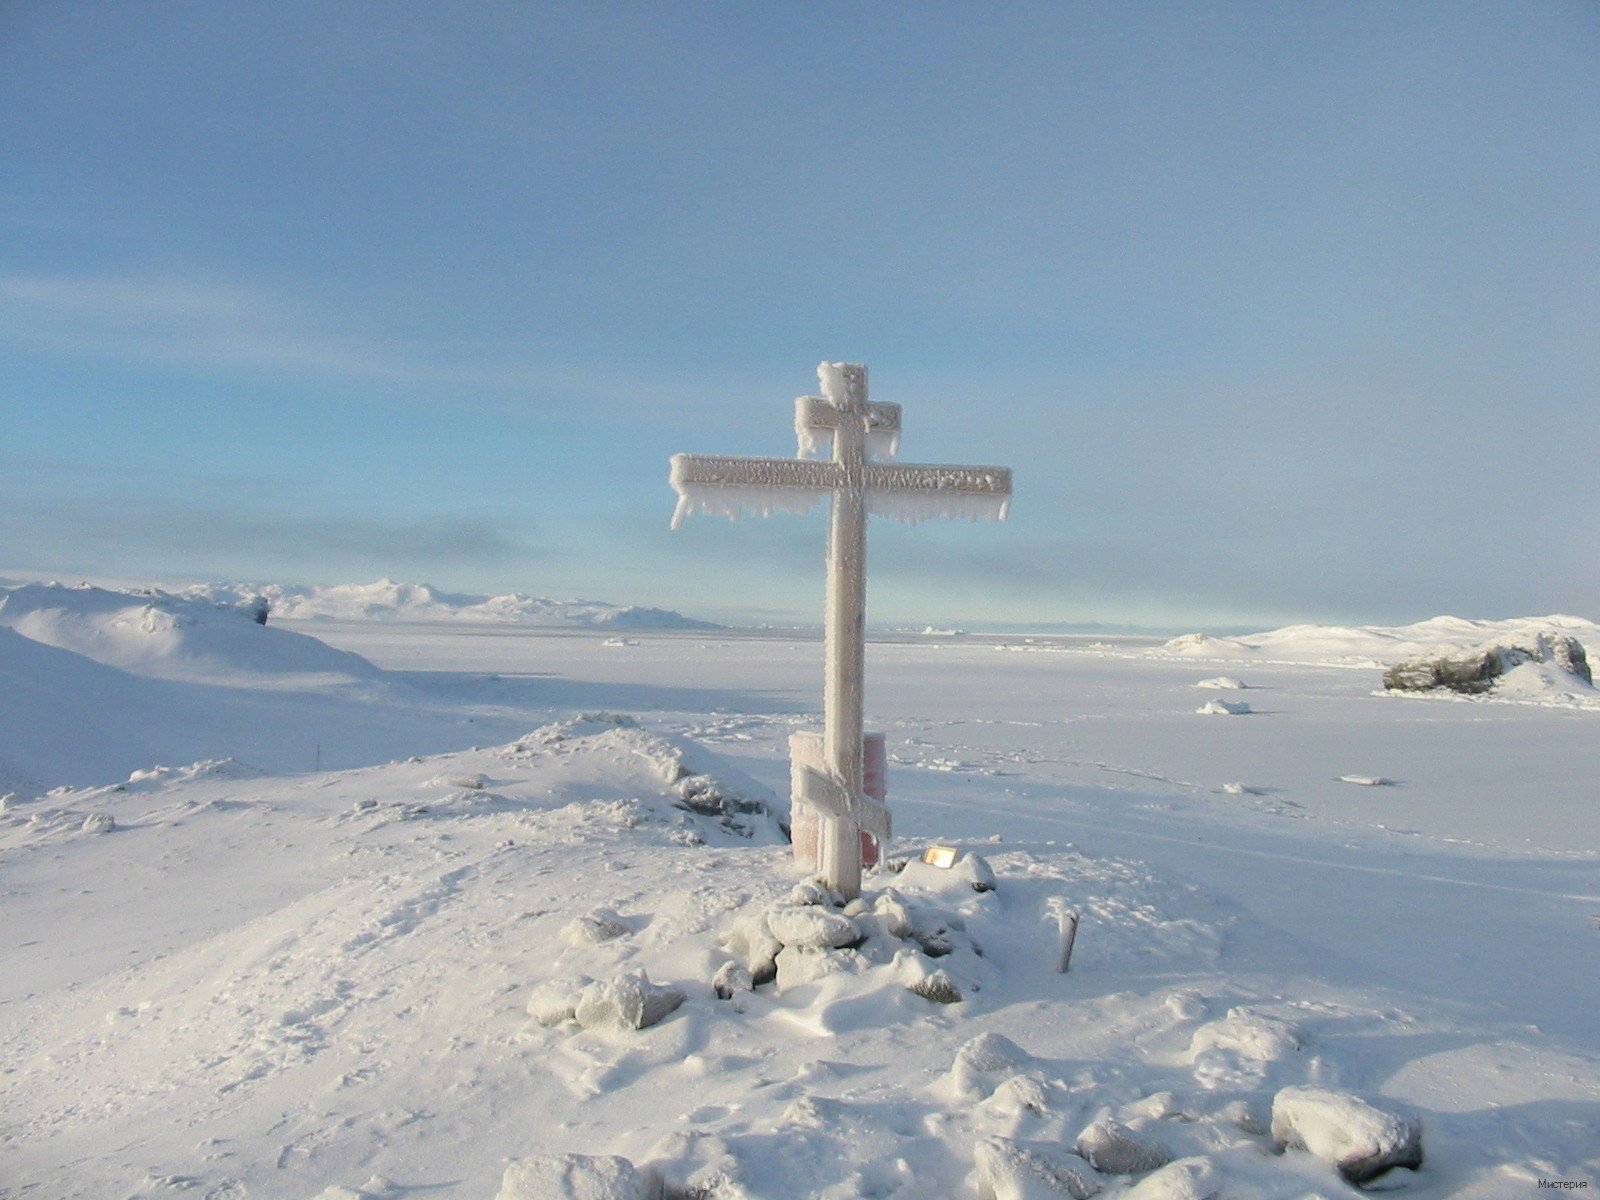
{"x": 216, "y": 532}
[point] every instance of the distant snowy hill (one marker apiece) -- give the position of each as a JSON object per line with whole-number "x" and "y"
{"x": 387, "y": 600}
{"x": 157, "y": 634}
{"x": 1376, "y": 645}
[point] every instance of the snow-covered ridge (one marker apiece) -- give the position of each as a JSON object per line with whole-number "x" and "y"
{"x": 155, "y": 633}
{"x": 387, "y": 600}
{"x": 1376, "y": 645}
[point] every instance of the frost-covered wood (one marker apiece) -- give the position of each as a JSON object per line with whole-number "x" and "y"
{"x": 856, "y": 488}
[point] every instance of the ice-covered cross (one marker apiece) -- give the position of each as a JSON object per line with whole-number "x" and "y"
{"x": 857, "y": 487}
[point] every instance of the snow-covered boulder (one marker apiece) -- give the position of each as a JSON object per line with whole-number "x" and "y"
{"x": 731, "y": 979}
{"x": 984, "y": 1062}
{"x": 1476, "y": 670}
{"x": 99, "y": 822}
{"x": 1243, "y": 1047}
{"x": 1110, "y": 1146}
{"x": 1358, "y": 1139}
{"x": 553, "y": 1002}
{"x": 938, "y": 987}
{"x": 970, "y": 872}
{"x": 596, "y": 925}
{"x": 1221, "y": 683}
{"x": 811, "y": 927}
{"x": 1186, "y": 1179}
{"x": 630, "y": 1001}
{"x": 1015, "y": 1170}
{"x": 576, "y": 1177}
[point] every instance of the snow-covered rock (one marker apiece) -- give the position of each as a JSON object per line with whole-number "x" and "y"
{"x": 1110, "y": 1146}
{"x": 1187, "y": 1179}
{"x": 1243, "y": 1047}
{"x": 629, "y": 1001}
{"x": 596, "y": 925}
{"x": 1218, "y": 707}
{"x": 810, "y": 927}
{"x": 1009, "y": 1169}
{"x": 576, "y": 1177}
{"x": 1478, "y": 669}
{"x": 99, "y": 822}
{"x": 1221, "y": 683}
{"x": 984, "y": 1062}
{"x": 1357, "y": 1138}
{"x": 969, "y": 873}
{"x": 937, "y": 986}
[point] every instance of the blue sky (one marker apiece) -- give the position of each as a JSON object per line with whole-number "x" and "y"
{"x": 1278, "y": 311}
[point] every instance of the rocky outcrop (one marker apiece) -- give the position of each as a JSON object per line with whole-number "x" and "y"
{"x": 1473, "y": 671}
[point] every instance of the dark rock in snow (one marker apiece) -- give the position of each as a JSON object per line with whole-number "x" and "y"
{"x": 938, "y": 987}
{"x": 1473, "y": 671}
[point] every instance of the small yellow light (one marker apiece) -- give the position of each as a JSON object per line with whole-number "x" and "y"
{"x": 940, "y": 856}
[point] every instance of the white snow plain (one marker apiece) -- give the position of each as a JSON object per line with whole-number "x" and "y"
{"x": 259, "y": 978}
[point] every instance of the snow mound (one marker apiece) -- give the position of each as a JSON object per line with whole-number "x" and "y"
{"x": 704, "y": 797}
{"x": 1219, "y": 707}
{"x": 387, "y": 600}
{"x": 164, "y": 636}
{"x": 1221, "y": 683}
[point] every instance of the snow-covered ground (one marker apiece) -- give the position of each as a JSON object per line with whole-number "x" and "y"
{"x": 269, "y": 980}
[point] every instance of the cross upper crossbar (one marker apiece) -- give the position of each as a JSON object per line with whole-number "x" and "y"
{"x": 798, "y": 484}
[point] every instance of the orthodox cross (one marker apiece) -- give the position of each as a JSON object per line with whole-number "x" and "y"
{"x": 857, "y": 487}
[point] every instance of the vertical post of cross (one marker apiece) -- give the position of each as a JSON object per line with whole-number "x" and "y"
{"x": 844, "y": 385}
